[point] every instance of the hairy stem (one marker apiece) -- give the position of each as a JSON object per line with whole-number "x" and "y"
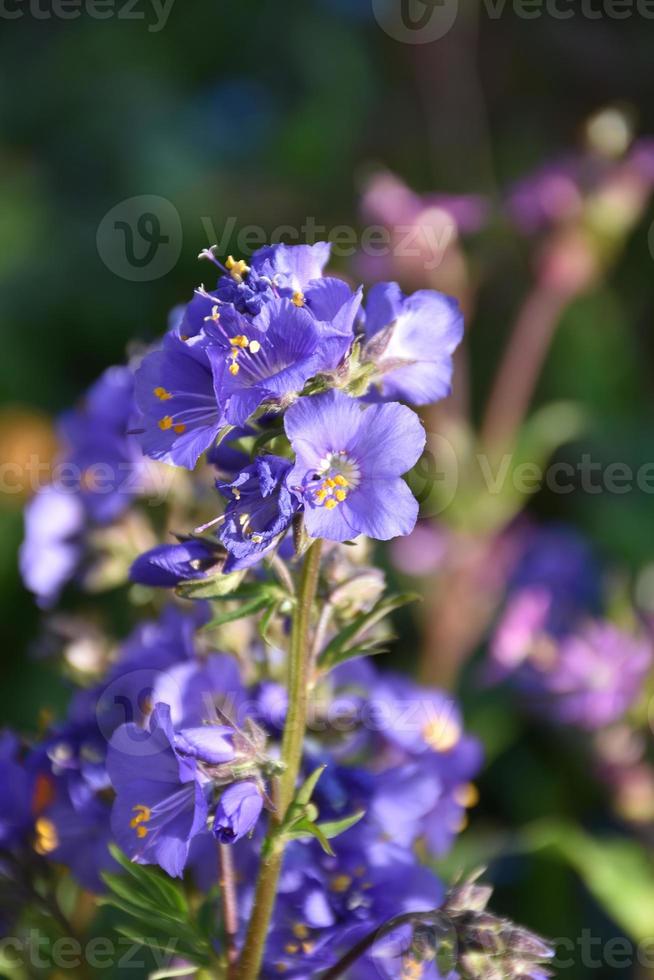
{"x": 230, "y": 904}
{"x": 292, "y": 744}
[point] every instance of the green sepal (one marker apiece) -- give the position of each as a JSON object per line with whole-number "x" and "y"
{"x": 211, "y": 588}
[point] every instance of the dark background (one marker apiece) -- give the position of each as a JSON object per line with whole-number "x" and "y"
{"x": 267, "y": 113}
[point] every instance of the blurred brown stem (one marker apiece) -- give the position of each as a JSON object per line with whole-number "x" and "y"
{"x": 521, "y": 366}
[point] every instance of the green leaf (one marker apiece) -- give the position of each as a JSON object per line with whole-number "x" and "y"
{"x": 341, "y": 647}
{"x": 167, "y": 895}
{"x": 306, "y": 789}
{"x": 240, "y": 612}
{"x": 266, "y": 621}
{"x": 306, "y": 828}
{"x": 333, "y": 828}
{"x": 618, "y": 871}
{"x": 158, "y": 906}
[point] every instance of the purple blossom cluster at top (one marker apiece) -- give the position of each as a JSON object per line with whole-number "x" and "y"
{"x": 279, "y": 344}
{"x": 185, "y": 748}
{"x": 570, "y": 665}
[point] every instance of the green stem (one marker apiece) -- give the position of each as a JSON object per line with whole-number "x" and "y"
{"x": 292, "y": 745}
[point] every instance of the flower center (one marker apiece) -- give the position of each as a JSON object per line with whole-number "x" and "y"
{"x": 337, "y": 476}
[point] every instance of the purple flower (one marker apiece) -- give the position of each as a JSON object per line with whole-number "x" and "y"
{"x": 263, "y": 360}
{"x": 102, "y": 470}
{"x": 78, "y": 837}
{"x": 169, "y": 564}
{"x": 411, "y": 340}
{"x": 596, "y": 675}
{"x": 16, "y": 794}
{"x": 328, "y": 903}
{"x": 175, "y": 393}
{"x": 274, "y": 270}
{"x": 106, "y": 462}
{"x": 160, "y": 803}
{"x": 198, "y": 690}
{"x": 52, "y": 549}
{"x": 259, "y": 510}
{"x": 237, "y": 812}
{"x": 550, "y": 195}
{"x": 349, "y": 465}
{"x": 559, "y": 561}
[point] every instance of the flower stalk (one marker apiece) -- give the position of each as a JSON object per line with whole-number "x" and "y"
{"x": 294, "y": 730}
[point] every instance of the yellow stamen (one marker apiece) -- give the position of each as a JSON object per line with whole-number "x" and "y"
{"x": 143, "y": 814}
{"x": 47, "y": 839}
{"x": 291, "y": 948}
{"x": 166, "y": 423}
{"x": 298, "y": 298}
{"x": 308, "y": 948}
{"x": 237, "y": 268}
{"x": 340, "y": 481}
{"x": 239, "y": 341}
{"x": 162, "y": 394}
{"x": 467, "y": 795}
{"x": 442, "y": 734}
{"x": 341, "y": 495}
{"x": 234, "y": 368}
{"x": 179, "y": 428}
{"x": 330, "y": 503}
{"x": 340, "y": 883}
{"x": 300, "y": 931}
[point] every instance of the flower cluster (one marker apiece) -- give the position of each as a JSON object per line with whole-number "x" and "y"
{"x": 282, "y": 352}
{"x": 570, "y": 665}
{"x": 187, "y": 765}
{"x": 248, "y": 746}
